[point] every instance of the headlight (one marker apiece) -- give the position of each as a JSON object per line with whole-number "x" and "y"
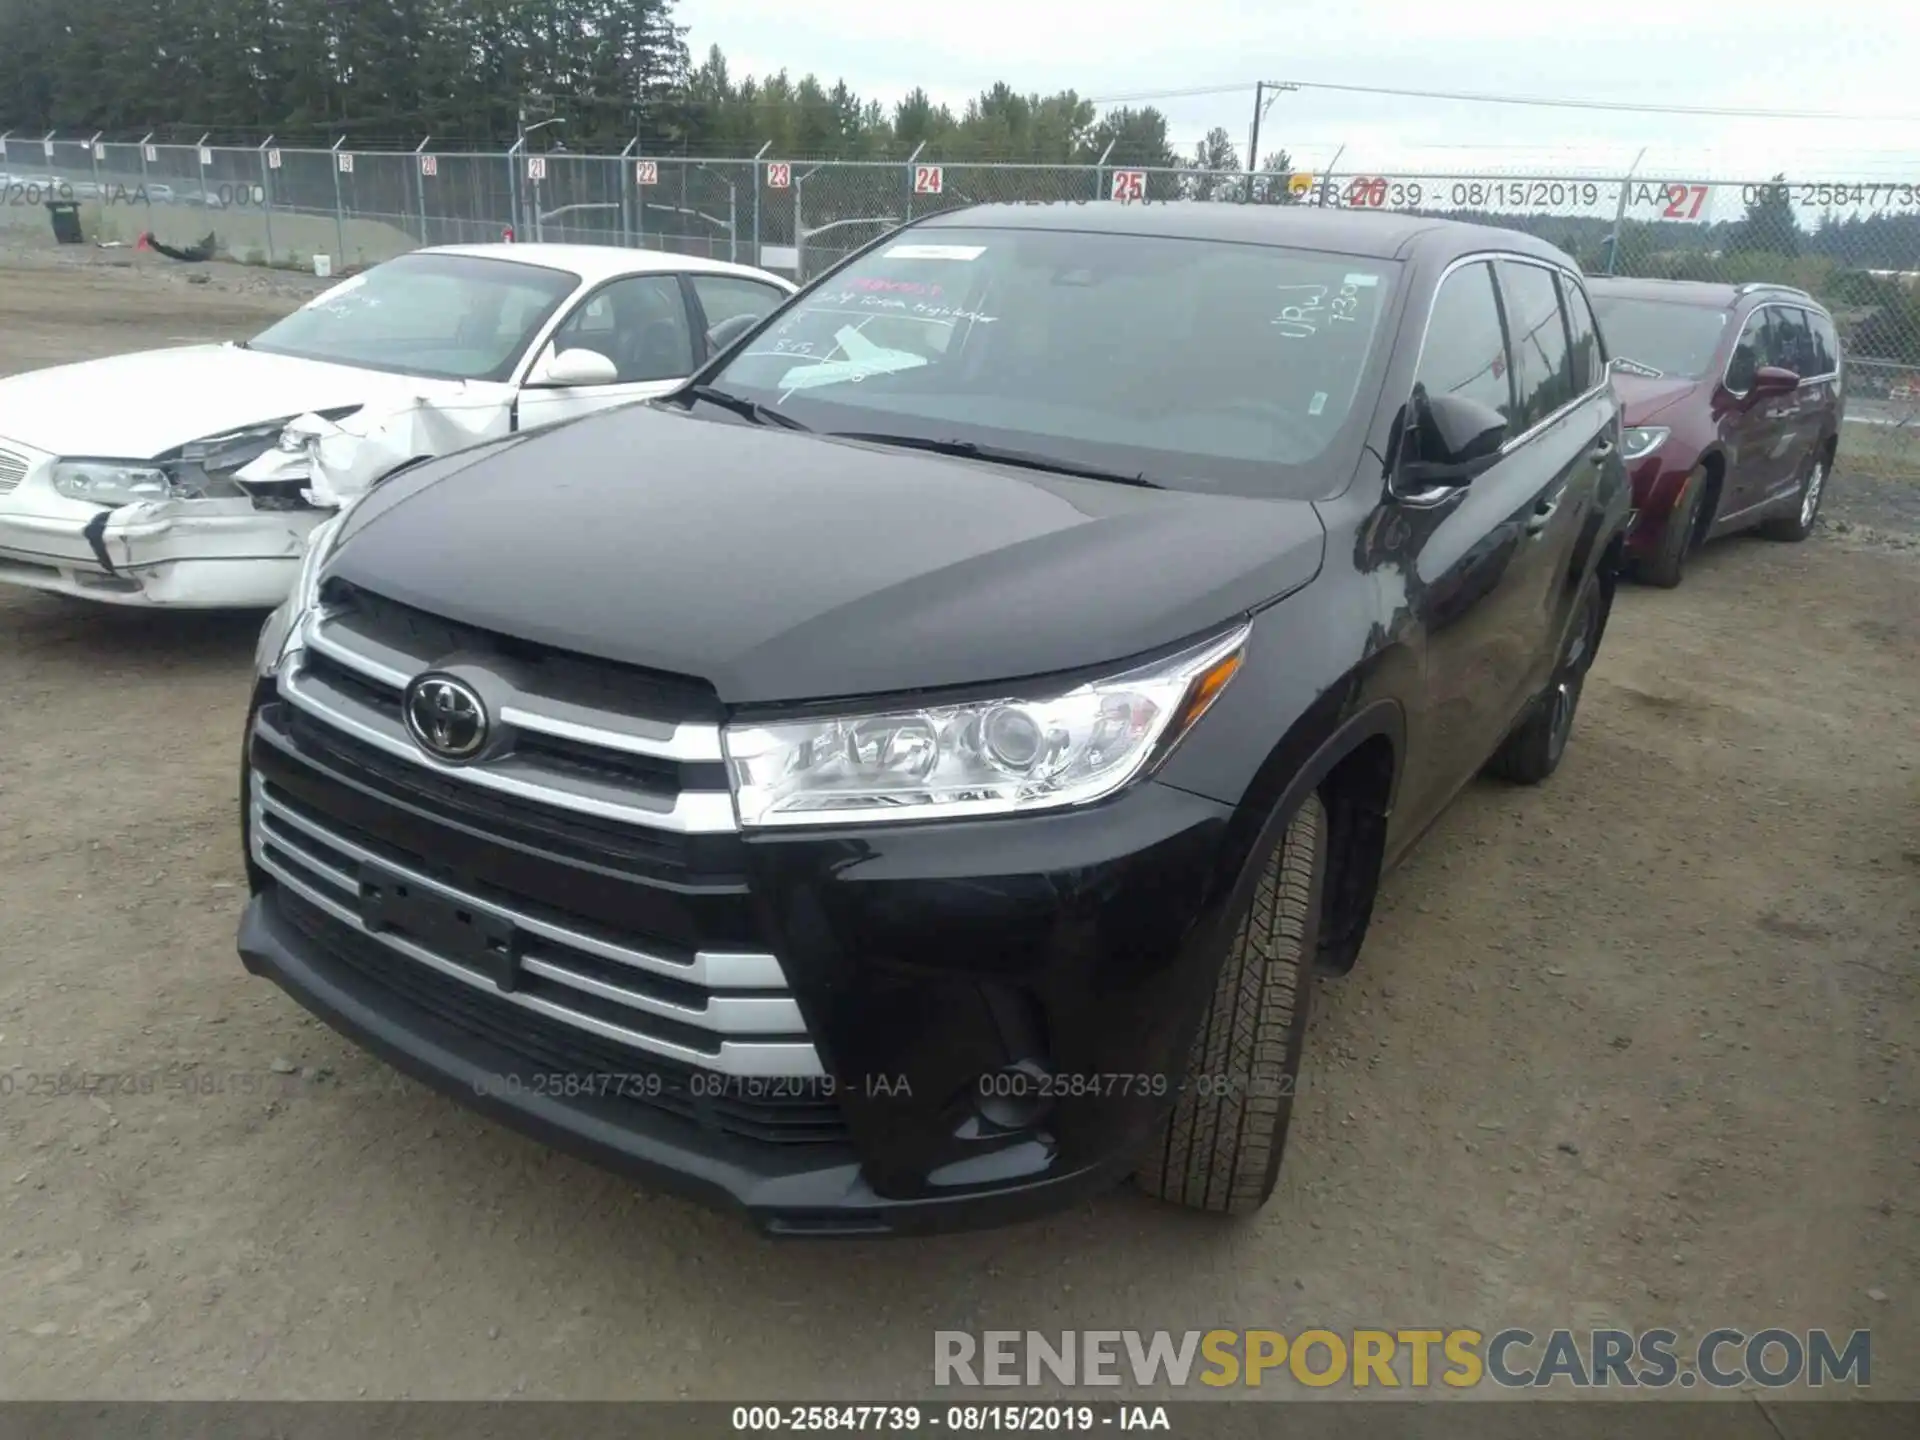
{"x": 284, "y": 628}
{"x": 1640, "y": 441}
{"x": 111, "y": 482}
{"x": 993, "y": 757}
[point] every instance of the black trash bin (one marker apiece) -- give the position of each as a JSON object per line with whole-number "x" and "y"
{"x": 65, "y": 215}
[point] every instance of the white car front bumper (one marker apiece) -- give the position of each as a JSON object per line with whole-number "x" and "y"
{"x": 185, "y": 554}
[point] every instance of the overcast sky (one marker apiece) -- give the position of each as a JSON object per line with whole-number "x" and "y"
{"x": 1856, "y": 56}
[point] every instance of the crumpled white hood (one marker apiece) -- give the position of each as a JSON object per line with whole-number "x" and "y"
{"x": 145, "y": 404}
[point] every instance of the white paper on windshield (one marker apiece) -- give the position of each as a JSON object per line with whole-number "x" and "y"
{"x": 864, "y": 358}
{"x": 1361, "y": 278}
{"x": 935, "y": 252}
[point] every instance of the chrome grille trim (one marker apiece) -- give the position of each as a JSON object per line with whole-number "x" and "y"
{"x": 729, "y": 1018}
{"x": 542, "y": 714}
{"x": 13, "y": 469}
{"x": 711, "y": 969}
{"x": 693, "y": 812}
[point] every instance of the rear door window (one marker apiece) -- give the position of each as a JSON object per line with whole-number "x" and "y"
{"x": 1589, "y": 360}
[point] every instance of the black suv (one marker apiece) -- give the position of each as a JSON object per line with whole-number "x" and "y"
{"x": 907, "y": 778}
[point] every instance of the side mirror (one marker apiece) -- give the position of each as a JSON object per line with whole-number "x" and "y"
{"x": 729, "y": 330}
{"x": 1453, "y": 438}
{"x": 1773, "y": 380}
{"x": 573, "y": 367}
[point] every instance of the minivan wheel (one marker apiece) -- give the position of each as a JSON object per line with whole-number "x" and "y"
{"x": 1219, "y": 1148}
{"x": 1668, "y": 563}
{"x": 1534, "y": 750}
{"x": 1806, "y": 505}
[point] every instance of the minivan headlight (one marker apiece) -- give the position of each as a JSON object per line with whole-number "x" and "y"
{"x": 989, "y": 757}
{"x": 1639, "y": 441}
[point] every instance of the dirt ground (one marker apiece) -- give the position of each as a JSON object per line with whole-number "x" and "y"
{"x": 1636, "y": 1048}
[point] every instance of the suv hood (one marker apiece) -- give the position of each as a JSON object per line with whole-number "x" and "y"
{"x": 1642, "y": 398}
{"x": 142, "y": 405}
{"x": 780, "y": 566}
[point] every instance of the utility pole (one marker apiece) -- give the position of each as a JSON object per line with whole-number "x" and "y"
{"x": 1253, "y": 139}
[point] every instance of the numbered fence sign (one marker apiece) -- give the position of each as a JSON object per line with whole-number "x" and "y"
{"x": 273, "y": 159}
{"x": 1299, "y": 183}
{"x": 99, "y": 152}
{"x": 1367, "y": 192}
{"x": 927, "y": 180}
{"x": 429, "y": 164}
{"x": 646, "y": 172}
{"x": 149, "y": 153}
{"x": 536, "y": 167}
{"x": 47, "y": 145}
{"x": 1129, "y": 185}
{"x": 346, "y": 162}
{"x": 3, "y": 149}
{"x": 779, "y": 175}
{"x": 206, "y": 155}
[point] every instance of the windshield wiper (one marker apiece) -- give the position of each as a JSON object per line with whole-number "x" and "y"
{"x": 746, "y": 409}
{"x": 1000, "y": 455}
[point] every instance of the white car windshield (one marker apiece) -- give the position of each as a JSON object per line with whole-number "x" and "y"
{"x": 1193, "y": 363}
{"x": 452, "y": 317}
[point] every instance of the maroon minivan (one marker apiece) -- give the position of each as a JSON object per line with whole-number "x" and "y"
{"x": 1731, "y": 398}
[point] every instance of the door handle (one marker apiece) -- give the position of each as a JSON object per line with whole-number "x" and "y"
{"x": 1543, "y": 513}
{"x": 1603, "y": 449}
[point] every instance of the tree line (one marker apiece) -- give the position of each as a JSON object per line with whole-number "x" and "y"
{"x": 474, "y": 73}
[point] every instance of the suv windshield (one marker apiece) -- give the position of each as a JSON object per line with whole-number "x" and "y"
{"x": 1192, "y": 364}
{"x": 450, "y": 317}
{"x": 1676, "y": 340}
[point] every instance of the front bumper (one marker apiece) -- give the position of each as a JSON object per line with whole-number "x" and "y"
{"x": 178, "y": 554}
{"x": 925, "y": 959}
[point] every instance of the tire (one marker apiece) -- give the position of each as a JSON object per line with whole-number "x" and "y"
{"x": 1668, "y": 564}
{"x": 1534, "y": 750}
{"x": 1219, "y": 1149}
{"x": 1806, "y": 509}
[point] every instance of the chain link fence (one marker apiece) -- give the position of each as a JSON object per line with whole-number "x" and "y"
{"x": 1855, "y": 245}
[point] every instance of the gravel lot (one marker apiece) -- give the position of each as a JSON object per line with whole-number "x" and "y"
{"x": 1636, "y": 1048}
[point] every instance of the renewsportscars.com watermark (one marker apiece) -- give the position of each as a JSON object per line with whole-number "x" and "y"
{"x": 1414, "y": 1359}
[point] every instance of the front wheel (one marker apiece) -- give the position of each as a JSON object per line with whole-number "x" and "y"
{"x": 1533, "y": 751}
{"x": 1799, "y": 525}
{"x": 1220, "y": 1148}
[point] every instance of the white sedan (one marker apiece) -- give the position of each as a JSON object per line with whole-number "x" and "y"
{"x": 190, "y": 477}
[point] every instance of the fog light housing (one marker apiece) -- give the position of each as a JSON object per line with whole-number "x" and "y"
{"x": 1015, "y": 1097}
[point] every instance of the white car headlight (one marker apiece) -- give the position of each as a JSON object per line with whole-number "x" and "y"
{"x": 991, "y": 757}
{"x": 111, "y": 482}
{"x": 1639, "y": 441}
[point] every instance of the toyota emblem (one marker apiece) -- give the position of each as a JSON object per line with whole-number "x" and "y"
{"x": 446, "y": 717}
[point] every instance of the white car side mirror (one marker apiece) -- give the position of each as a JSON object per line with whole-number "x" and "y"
{"x": 574, "y": 367}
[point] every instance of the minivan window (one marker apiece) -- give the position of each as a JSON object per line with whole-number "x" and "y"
{"x": 1749, "y": 353}
{"x": 1826, "y": 346}
{"x": 1676, "y": 340}
{"x": 1589, "y": 358}
{"x": 1542, "y": 359}
{"x": 1196, "y": 364}
{"x": 1466, "y": 351}
{"x": 1790, "y": 340}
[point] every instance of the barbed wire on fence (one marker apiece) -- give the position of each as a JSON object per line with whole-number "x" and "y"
{"x": 1854, "y": 244}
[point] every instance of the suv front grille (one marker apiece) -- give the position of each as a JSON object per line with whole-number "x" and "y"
{"x": 13, "y": 469}
{"x": 577, "y": 898}
{"x": 571, "y": 734}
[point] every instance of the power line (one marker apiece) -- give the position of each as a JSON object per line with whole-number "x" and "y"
{"x": 1627, "y": 106}
{"x": 1620, "y": 105}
